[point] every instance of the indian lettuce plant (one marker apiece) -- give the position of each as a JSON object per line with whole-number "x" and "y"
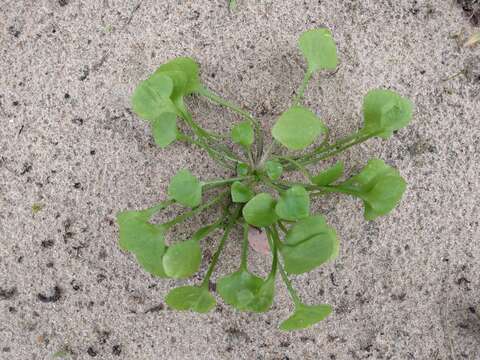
{"x": 258, "y": 194}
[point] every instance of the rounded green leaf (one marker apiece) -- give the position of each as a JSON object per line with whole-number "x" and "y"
{"x": 246, "y": 292}
{"x": 385, "y": 111}
{"x": 182, "y": 260}
{"x": 242, "y": 134}
{"x": 186, "y": 189}
{"x": 305, "y": 316}
{"x": 384, "y": 196}
{"x": 319, "y": 49}
{"x": 264, "y": 298}
{"x": 164, "y": 129}
{"x": 188, "y": 67}
{"x": 365, "y": 179}
{"x": 151, "y": 98}
{"x": 242, "y": 169}
{"x": 145, "y": 240}
{"x": 329, "y": 175}
{"x": 180, "y": 85}
{"x": 308, "y": 244}
{"x": 379, "y": 186}
{"x": 297, "y": 128}
{"x": 274, "y": 169}
{"x": 294, "y": 204}
{"x": 193, "y": 298}
{"x": 241, "y": 193}
{"x": 134, "y": 226}
{"x": 150, "y": 258}
{"x": 260, "y": 210}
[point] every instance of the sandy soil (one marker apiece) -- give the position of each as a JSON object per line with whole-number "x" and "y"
{"x": 404, "y": 287}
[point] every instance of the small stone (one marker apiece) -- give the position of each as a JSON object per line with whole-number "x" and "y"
{"x": 257, "y": 238}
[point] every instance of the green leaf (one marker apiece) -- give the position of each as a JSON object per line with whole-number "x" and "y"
{"x": 182, "y": 260}
{"x": 151, "y": 98}
{"x": 274, "y": 169}
{"x": 193, "y": 298}
{"x": 164, "y": 129}
{"x": 294, "y": 204}
{"x": 264, "y": 297}
{"x": 188, "y": 67}
{"x": 247, "y": 292}
{"x": 319, "y": 49}
{"x": 135, "y": 229}
{"x": 260, "y": 210}
{"x": 242, "y": 169}
{"x": 305, "y": 316}
{"x": 180, "y": 86}
{"x": 242, "y": 134}
{"x": 241, "y": 193}
{"x": 329, "y": 175}
{"x": 379, "y": 186}
{"x": 150, "y": 258}
{"x": 385, "y": 111}
{"x": 145, "y": 240}
{"x": 297, "y": 128}
{"x": 186, "y": 189}
{"x": 308, "y": 244}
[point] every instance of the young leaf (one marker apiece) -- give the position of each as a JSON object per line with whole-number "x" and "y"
{"x": 379, "y": 186}
{"x": 164, "y": 129}
{"x": 319, "y": 49}
{"x": 193, "y": 298}
{"x": 329, "y": 175}
{"x": 242, "y": 134}
{"x": 385, "y": 111}
{"x": 297, "y": 128}
{"x": 186, "y": 189}
{"x": 180, "y": 85}
{"x": 246, "y": 292}
{"x": 294, "y": 204}
{"x": 151, "y": 98}
{"x": 274, "y": 169}
{"x": 242, "y": 169}
{"x": 145, "y": 240}
{"x": 188, "y": 67}
{"x": 260, "y": 210}
{"x": 182, "y": 260}
{"x": 241, "y": 193}
{"x": 265, "y": 294}
{"x": 308, "y": 244}
{"x": 305, "y": 316}
{"x": 150, "y": 258}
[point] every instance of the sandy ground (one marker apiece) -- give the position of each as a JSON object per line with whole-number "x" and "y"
{"x": 404, "y": 287}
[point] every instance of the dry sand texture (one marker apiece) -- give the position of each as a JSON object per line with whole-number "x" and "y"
{"x": 406, "y": 286}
